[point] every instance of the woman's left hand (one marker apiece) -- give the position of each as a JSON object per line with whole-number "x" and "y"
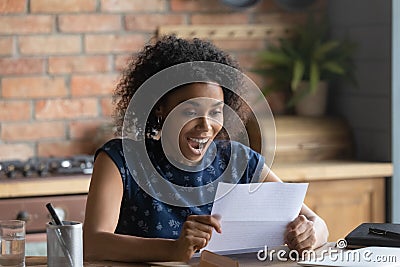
{"x": 301, "y": 234}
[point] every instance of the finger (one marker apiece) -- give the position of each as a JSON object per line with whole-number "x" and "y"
{"x": 297, "y": 222}
{"x": 292, "y": 234}
{"x": 198, "y": 234}
{"x": 197, "y": 226}
{"x": 300, "y": 229}
{"x": 198, "y": 243}
{"x": 217, "y": 216}
{"x": 208, "y": 220}
{"x": 304, "y": 241}
{"x": 194, "y": 239}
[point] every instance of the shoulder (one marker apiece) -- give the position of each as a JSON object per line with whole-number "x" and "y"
{"x": 115, "y": 143}
{"x": 114, "y": 149}
{"x": 111, "y": 144}
{"x": 114, "y": 146}
{"x": 242, "y": 158}
{"x": 238, "y": 152}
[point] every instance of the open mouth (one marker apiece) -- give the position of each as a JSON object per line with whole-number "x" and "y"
{"x": 197, "y": 144}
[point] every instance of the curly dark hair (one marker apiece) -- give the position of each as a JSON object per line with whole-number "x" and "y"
{"x": 164, "y": 53}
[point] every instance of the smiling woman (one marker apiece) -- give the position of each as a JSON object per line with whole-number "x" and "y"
{"x": 155, "y": 204}
{"x": 196, "y": 118}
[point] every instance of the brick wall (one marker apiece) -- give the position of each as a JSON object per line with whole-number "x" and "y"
{"x": 60, "y": 60}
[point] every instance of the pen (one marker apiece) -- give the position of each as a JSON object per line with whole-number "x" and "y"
{"x": 377, "y": 231}
{"x": 53, "y": 214}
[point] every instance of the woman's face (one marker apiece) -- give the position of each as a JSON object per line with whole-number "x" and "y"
{"x": 193, "y": 116}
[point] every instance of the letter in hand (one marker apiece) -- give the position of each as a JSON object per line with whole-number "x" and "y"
{"x": 195, "y": 235}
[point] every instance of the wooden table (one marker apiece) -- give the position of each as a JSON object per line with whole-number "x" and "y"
{"x": 245, "y": 260}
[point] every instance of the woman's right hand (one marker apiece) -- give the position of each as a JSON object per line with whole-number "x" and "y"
{"x": 196, "y": 233}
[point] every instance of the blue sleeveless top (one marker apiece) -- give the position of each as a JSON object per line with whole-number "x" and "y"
{"x": 145, "y": 216}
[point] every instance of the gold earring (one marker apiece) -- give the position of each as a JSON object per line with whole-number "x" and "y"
{"x": 156, "y": 132}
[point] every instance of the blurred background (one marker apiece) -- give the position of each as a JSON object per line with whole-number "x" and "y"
{"x": 60, "y": 61}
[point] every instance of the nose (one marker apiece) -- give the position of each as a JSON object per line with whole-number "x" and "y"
{"x": 204, "y": 123}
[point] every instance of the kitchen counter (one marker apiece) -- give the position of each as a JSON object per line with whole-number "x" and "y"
{"x": 331, "y": 170}
{"x": 44, "y": 186}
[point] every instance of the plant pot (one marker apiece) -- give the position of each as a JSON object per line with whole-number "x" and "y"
{"x": 312, "y": 104}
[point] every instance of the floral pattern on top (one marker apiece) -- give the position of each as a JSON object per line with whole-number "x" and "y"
{"x": 142, "y": 215}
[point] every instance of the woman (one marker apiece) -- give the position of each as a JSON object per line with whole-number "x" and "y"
{"x": 126, "y": 222}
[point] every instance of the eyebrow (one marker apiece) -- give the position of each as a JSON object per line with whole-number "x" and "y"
{"x": 194, "y": 103}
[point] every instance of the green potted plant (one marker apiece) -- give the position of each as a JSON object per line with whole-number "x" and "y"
{"x": 304, "y": 63}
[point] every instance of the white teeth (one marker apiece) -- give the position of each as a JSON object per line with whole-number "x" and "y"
{"x": 201, "y": 146}
{"x": 200, "y": 141}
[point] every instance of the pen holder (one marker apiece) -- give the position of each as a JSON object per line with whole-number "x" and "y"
{"x": 64, "y": 245}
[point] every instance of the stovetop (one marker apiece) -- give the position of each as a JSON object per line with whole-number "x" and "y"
{"x": 46, "y": 167}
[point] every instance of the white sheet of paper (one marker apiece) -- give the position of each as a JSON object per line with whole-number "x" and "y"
{"x": 368, "y": 256}
{"x": 254, "y": 215}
